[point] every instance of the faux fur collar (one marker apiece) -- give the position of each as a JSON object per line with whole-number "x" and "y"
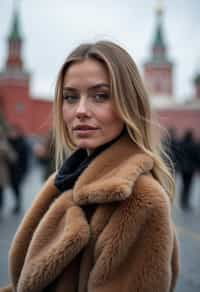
{"x": 111, "y": 175}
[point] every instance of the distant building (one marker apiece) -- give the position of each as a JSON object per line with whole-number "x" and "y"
{"x": 158, "y": 76}
{"x": 158, "y": 69}
{"x": 16, "y": 104}
{"x": 33, "y": 114}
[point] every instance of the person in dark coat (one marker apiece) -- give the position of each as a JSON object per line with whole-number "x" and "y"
{"x": 44, "y": 155}
{"x": 174, "y": 149}
{"x": 188, "y": 167}
{"x": 198, "y": 156}
{"x": 7, "y": 155}
{"x": 18, "y": 168}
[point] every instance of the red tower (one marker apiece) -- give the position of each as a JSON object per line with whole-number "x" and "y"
{"x": 14, "y": 80}
{"x": 32, "y": 115}
{"x": 158, "y": 70}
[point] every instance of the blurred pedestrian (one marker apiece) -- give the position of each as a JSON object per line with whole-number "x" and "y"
{"x": 174, "y": 149}
{"x": 7, "y": 155}
{"x": 43, "y": 151}
{"x": 18, "y": 169}
{"x": 103, "y": 221}
{"x": 188, "y": 167}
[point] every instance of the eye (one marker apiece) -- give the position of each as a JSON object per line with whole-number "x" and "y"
{"x": 70, "y": 98}
{"x": 101, "y": 97}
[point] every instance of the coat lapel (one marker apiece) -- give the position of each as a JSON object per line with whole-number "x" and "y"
{"x": 111, "y": 176}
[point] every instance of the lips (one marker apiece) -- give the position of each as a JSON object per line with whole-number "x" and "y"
{"x": 84, "y": 131}
{"x": 84, "y": 128}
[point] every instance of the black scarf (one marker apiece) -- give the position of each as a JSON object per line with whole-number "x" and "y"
{"x": 76, "y": 164}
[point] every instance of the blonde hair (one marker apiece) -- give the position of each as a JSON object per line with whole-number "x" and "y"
{"x": 131, "y": 101}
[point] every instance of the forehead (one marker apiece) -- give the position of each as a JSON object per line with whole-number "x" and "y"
{"x": 87, "y": 71}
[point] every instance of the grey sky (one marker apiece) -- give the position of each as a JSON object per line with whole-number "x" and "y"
{"x": 52, "y": 28}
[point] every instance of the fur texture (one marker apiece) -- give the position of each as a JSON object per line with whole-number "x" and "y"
{"x": 128, "y": 245}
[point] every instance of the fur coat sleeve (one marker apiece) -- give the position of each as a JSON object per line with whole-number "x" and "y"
{"x": 128, "y": 244}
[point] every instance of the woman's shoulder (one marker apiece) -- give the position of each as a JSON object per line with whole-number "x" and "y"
{"x": 149, "y": 192}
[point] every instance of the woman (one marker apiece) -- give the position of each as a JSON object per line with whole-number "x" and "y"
{"x": 102, "y": 222}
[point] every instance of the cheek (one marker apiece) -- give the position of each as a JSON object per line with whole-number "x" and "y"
{"x": 67, "y": 114}
{"x": 111, "y": 120}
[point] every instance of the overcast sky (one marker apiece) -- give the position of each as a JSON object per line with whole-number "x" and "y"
{"x": 52, "y": 28}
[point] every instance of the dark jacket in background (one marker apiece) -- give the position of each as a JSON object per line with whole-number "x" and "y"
{"x": 189, "y": 154}
{"x": 19, "y": 168}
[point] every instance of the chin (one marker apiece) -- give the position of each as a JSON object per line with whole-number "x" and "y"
{"x": 85, "y": 145}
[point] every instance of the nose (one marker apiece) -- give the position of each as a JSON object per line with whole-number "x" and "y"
{"x": 82, "y": 109}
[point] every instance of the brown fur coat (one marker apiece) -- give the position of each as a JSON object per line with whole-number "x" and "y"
{"x": 128, "y": 244}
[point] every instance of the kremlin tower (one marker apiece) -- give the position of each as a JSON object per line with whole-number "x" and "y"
{"x": 16, "y": 104}
{"x": 158, "y": 69}
{"x": 158, "y": 75}
{"x": 15, "y": 80}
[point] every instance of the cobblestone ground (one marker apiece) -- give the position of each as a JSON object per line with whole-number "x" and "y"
{"x": 187, "y": 224}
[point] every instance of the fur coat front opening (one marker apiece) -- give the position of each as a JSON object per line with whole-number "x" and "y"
{"x": 127, "y": 244}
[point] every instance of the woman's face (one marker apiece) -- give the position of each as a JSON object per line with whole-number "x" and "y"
{"x": 88, "y": 109}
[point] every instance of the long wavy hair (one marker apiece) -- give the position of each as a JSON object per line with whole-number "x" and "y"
{"x": 131, "y": 101}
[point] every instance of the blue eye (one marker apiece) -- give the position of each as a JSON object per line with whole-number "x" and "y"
{"x": 70, "y": 98}
{"x": 101, "y": 97}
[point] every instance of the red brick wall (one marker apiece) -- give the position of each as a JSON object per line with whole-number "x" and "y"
{"x": 41, "y": 116}
{"x": 182, "y": 120}
{"x": 33, "y": 116}
{"x": 15, "y": 100}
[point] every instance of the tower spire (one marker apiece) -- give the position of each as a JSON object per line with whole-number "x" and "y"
{"x": 159, "y": 38}
{"x": 14, "y": 59}
{"x": 15, "y": 33}
{"x": 158, "y": 69}
{"x": 158, "y": 44}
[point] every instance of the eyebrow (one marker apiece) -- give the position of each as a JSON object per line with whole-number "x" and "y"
{"x": 97, "y": 86}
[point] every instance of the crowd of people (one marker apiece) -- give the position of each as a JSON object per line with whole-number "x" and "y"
{"x": 185, "y": 155}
